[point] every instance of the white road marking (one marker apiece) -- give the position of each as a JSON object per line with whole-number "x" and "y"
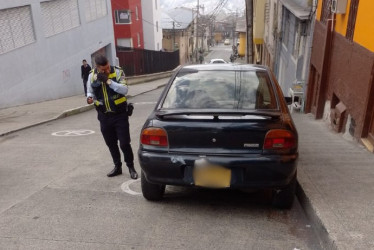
{"x": 80, "y": 132}
{"x": 144, "y": 103}
{"x": 126, "y": 187}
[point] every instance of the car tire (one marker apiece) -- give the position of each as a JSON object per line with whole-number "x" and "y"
{"x": 152, "y": 192}
{"x": 283, "y": 198}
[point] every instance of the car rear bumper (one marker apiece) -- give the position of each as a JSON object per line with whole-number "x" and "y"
{"x": 247, "y": 171}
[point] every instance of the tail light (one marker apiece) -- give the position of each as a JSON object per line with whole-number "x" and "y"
{"x": 279, "y": 139}
{"x": 154, "y": 137}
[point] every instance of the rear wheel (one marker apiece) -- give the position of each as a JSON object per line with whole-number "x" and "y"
{"x": 284, "y": 197}
{"x": 152, "y": 192}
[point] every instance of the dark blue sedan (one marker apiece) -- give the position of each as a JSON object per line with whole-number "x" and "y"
{"x": 220, "y": 126}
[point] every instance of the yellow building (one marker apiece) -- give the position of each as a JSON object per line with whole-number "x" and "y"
{"x": 258, "y": 32}
{"x": 258, "y": 29}
{"x": 342, "y": 66}
{"x": 242, "y": 37}
{"x": 178, "y": 33}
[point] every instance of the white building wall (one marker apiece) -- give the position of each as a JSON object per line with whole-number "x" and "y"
{"x": 49, "y": 68}
{"x": 270, "y": 26}
{"x": 151, "y": 11}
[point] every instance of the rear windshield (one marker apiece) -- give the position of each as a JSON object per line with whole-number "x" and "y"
{"x": 221, "y": 90}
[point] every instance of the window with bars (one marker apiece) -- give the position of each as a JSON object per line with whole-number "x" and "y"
{"x": 275, "y": 21}
{"x": 326, "y": 11}
{"x": 267, "y": 12}
{"x": 16, "y": 28}
{"x": 95, "y": 9}
{"x": 352, "y": 20}
{"x": 286, "y": 27}
{"x": 297, "y": 41}
{"x": 59, "y": 16}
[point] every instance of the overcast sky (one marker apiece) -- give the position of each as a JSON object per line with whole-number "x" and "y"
{"x": 231, "y": 5}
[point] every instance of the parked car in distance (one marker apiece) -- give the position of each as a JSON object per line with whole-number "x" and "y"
{"x": 220, "y": 126}
{"x": 217, "y": 60}
{"x": 226, "y": 42}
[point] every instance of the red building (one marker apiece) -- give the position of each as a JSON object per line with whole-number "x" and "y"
{"x": 127, "y": 23}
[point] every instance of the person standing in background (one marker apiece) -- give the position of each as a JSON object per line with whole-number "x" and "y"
{"x": 85, "y": 71}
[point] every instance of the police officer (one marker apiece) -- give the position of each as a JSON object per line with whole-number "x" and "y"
{"x": 107, "y": 88}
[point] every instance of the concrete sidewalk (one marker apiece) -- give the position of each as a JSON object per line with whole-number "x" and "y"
{"x": 335, "y": 175}
{"x": 25, "y": 116}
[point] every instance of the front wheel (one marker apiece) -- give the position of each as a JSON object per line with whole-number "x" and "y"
{"x": 284, "y": 197}
{"x": 152, "y": 192}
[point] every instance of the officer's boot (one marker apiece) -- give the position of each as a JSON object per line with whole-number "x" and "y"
{"x": 133, "y": 173}
{"x": 117, "y": 170}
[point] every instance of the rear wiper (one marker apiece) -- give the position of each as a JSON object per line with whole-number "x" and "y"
{"x": 271, "y": 114}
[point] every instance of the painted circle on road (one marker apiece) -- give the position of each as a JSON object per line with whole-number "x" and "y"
{"x": 126, "y": 187}
{"x": 80, "y": 132}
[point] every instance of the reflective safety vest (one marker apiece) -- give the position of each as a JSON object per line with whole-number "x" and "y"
{"x": 107, "y": 100}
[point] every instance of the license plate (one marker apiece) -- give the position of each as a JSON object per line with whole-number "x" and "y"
{"x": 212, "y": 177}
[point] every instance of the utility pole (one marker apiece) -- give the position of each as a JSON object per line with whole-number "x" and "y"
{"x": 236, "y": 20}
{"x": 173, "y": 36}
{"x": 249, "y": 21}
{"x": 197, "y": 30}
{"x": 202, "y": 29}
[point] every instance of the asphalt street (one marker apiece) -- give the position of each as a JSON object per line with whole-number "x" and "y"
{"x": 58, "y": 197}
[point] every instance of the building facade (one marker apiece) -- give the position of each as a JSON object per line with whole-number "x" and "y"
{"x": 178, "y": 28}
{"x": 258, "y": 30}
{"x": 152, "y": 24}
{"x": 341, "y": 82}
{"x": 128, "y": 23}
{"x": 43, "y": 44}
{"x": 293, "y": 44}
{"x": 272, "y": 32}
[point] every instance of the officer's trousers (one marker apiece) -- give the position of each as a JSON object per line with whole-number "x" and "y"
{"x": 115, "y": 127}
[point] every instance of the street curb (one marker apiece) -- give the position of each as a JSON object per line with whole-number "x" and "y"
{"x": 75, "y": 111}
{"x": 71, "y": 112}
{"x": 29, "y": 126}
{"x": 63, "y": 115}
{"x": 133, "y": 80}
{"x": 326, "y": 241}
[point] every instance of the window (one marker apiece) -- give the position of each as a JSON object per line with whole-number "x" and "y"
{"x": 16, "y": 28}
{"x": 138, "y": 39}
{"x": 296, "y": 47}
{"x": 136, "y": 13}
{"x": 352, "y": 20}
{"x": 326, "y": 11}
{"x": 267, "y": 12}
{"x": 59, "y": 16}
{"x": 122, "y": 16}
{"x": 156, "y": 4}
{"x": 157, "y": 26}
{"x": 286, "y": 27}
{"x": 275, "y": 21}
{"x": 124, "y": 42}
{"x": 95, "y": 9}
{"x": 221, "y": 89}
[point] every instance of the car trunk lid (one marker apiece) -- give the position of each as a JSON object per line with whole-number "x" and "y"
{"x": 218, "y": 133}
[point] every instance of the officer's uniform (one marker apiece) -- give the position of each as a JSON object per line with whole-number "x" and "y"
{"x": 111, "y": 105}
